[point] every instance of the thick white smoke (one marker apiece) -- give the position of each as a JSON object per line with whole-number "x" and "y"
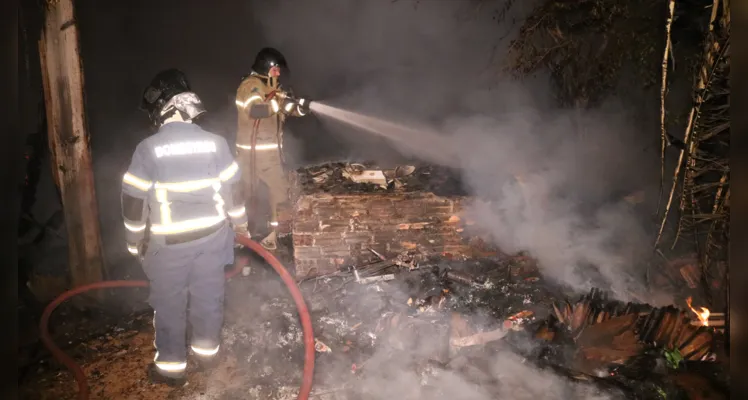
{"x": 560, "y": 194}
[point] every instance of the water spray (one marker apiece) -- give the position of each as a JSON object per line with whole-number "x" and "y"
{"x": 426, "y": 143}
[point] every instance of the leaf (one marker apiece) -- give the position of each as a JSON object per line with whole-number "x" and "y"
{"x": 673, "y": 358}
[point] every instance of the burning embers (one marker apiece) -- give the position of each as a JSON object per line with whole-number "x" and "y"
{"x": 703, "y": 315}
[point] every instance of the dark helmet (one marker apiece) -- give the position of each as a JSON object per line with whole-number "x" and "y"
{"x": 268, "y": 58}
{"x": 170, "y": 92}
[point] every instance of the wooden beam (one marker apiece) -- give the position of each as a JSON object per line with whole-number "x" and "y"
{"x": 62, "y": 76}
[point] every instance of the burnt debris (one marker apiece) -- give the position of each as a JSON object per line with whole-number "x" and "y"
{"x": 335, "y": 178}
{"x": 492, "y": 324}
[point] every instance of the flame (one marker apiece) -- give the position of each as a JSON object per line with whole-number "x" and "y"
{"x": 703, "y": 315}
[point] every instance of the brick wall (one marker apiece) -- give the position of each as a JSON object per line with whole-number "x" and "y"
{"x": 333, "y": 230}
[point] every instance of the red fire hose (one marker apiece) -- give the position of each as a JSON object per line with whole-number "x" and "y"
{"x": 306, "y": 320}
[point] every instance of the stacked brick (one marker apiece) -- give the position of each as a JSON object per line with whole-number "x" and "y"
{"x": 331, "y": 230}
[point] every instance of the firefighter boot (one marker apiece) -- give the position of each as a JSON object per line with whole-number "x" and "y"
{"x": 173, "y": 379}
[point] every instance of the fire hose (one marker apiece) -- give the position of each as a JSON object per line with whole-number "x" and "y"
{"x": 306, "y": 321}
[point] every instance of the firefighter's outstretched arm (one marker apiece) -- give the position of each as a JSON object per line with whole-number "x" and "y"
{"x": 232, "y": 189}
{"x": 251, "y": 99}
{"x": 137, "y": 186}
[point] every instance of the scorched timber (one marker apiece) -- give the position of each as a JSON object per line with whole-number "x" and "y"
{"x": 628, "y": 325}
{"x": 336, "y": 221}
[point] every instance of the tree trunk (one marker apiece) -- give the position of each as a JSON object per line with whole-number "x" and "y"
{"x": 62, "y": 76}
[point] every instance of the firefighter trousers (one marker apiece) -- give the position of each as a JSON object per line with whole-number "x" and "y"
{"x": 188, "y": 272}
{"x": 269, "y": 171}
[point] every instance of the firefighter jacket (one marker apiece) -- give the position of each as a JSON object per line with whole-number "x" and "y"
{"x": 182, "y": 184}
{"x": 262, "y": 104}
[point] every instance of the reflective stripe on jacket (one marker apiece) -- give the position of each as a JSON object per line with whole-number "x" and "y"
{"x": 254, "y": 91}
{"x": 181, "y": 179}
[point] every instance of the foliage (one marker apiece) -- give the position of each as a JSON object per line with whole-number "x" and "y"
{"x": 703, "y": 168}
{"x": 586, "y": 45}
{"x": 673, "y": 358}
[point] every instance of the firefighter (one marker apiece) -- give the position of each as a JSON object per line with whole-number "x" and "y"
{"x": 181, "y": 196}
{"x": 263, "y": 106}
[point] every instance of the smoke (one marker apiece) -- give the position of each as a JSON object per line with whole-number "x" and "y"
{"x": 559, "y": 193}
{"x": 525, "y": 383}
{"x": 542, "y": 187}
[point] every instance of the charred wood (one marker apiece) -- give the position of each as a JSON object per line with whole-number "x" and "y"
{"x": 592, "y": 321}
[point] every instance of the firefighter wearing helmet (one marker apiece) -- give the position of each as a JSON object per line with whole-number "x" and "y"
{"x": 263, "y": 106}
{"x": 181, "y": 196}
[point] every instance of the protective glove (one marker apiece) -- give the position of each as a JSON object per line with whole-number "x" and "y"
{"x": 141, "y": 247}
{"x": 242, "y": 231}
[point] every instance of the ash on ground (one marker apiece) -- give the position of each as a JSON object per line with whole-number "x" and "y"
{"x": 440, "y": 330}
